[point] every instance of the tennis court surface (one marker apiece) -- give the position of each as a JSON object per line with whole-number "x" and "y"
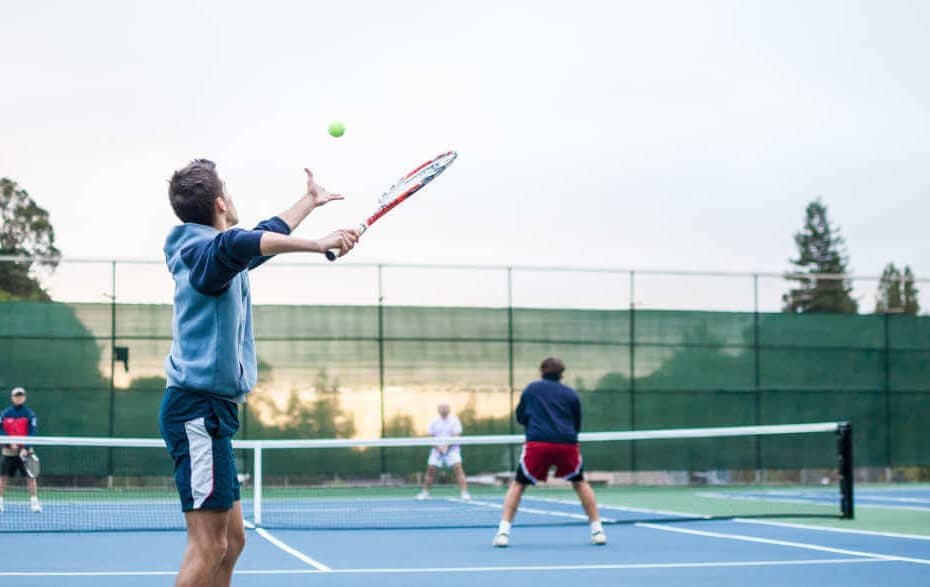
{"x": 721, "y": 526}
{"x": 713, "y": 552}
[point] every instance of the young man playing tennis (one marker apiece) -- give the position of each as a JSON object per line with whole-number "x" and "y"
{"x": 212, "y": 363}
{"x": 445, "y": 455}
{"x": 18, "y": 420}
{"x": 551, "y": 413}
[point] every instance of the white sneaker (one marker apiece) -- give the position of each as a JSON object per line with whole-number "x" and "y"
{"x": 599, "y": 537}
{"x": 35, "y": 506}
{"x": 423, "y": 495}
{"x": 465, "y": 496}
{"x": 501, "y": 540}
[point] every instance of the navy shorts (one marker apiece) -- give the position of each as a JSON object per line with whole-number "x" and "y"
{"x": 13, "y": 465}
{"x": 198, "y": 430}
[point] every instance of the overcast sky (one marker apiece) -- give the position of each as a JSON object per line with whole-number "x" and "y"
{"x": 684, "y": 135}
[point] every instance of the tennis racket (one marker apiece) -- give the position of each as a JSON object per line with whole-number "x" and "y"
{"x": 403, "y": 189}
{"x": 31, "y": 465}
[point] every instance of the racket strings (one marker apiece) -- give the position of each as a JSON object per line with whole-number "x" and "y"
{"x": 423, "y": 175}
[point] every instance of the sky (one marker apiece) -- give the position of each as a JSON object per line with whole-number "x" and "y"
{"x": 657, "y": 135}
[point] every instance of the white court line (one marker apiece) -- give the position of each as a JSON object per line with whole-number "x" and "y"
{"x": 833, "y": 529}
{"x": 747, "y": 520}
{"x": 491, "y": 569}
{"x": 803, "y": 545}
{"x": 791, "y": 499}
{"x": 288, "y": 549}
{"x": 498, "y": 506}
{"x": 864, "y": 495}
{"x": 623, "y": 508}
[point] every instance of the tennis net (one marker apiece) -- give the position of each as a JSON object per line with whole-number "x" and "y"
{"x": 112, "y": 484}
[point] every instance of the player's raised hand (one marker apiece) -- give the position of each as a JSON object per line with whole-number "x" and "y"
{"x": 316, "y": 193}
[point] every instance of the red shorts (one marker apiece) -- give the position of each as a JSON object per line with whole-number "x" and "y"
{"x": 538, "y": 457}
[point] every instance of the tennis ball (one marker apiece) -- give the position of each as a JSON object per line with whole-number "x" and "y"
{"x": 337, "y": 129}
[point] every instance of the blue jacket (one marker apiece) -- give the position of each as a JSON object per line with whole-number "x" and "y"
{"x": 18, "y": 421}
{"x": 550, "y": 411}
{"x": 213, "y": 350}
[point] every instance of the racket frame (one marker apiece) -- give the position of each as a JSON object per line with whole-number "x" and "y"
{"x": 389, "y": 204}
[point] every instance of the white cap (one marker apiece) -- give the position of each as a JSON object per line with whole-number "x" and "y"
{"x": 17, "y": 391}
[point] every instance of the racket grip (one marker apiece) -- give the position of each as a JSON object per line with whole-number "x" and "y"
{"x": 332, "y": 255}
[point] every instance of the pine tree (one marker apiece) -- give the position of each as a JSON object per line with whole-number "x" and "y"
{"x": 821, "y": 249}
{"x": 911, "y": 304}
{"x": 897, "y": 292}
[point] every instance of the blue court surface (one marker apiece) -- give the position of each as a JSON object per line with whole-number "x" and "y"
{"x": 711, "y": 552}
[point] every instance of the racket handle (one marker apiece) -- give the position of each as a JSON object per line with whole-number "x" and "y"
{"x": 332, "y": 255}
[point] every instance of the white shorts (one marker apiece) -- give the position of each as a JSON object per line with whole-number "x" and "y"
{"x": 452, "y": 457}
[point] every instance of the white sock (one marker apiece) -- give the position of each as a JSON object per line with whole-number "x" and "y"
{"x": 504, "y": 527}
{"x": 34, "y": 499}
{"x": 596, "y": 527}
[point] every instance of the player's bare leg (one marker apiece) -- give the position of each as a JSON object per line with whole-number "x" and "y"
{"x": 33, "y": 495}
{"x": 511, "y": 503}
{"x": 427, "y": 482}
{"x": 2, "y": 490}
{"x": 235, "y": 542}
{"x": 206, "y": 548}
{"x": 589, "y": 503}
{"x": 463, "y": 484}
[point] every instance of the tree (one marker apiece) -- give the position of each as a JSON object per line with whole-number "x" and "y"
{"x": 821, "y": 249}
{"x": 25, "y": 230}
{"x": 401, "y": 425}
{"x": 321, "y": 417}
{"x": 891, "y": 297}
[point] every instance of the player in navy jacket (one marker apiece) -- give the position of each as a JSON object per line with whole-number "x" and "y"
{"x": 18, "y": 420}
{"x": 551, "y": 414}
{"x": 212, "y": 363}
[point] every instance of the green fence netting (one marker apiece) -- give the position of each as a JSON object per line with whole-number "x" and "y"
{"x": 339, "y": 371}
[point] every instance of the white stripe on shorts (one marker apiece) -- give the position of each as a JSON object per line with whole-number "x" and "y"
{"x": 200, "y": 447}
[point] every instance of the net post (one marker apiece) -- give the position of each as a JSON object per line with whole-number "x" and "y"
{"x": 257, "y": 492}
{"x": 845, "y": 456}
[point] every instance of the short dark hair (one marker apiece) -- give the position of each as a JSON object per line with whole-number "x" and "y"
{"x": 193, "y": 190}
{"x": 552, "y": 368}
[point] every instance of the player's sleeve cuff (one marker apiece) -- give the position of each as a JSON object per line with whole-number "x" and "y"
{"x": 274, "y": 224}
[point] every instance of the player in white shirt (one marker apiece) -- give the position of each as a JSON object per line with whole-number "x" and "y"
{"x": 445, "y": 455}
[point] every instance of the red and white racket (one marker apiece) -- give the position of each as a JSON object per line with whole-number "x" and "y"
{"x": 404, "y": 188}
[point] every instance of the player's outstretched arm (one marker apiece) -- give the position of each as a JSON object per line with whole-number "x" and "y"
{"x": 315, "y": 196}
{"x": 274, "y": 243}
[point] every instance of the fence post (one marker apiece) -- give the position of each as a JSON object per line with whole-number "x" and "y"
{"x": 111, "y": 424}
{"x": 510, "y": 342}
{"x": 633, "y": 367}
{"x": 510, "y": 382}
{"x": 257, "y": 482}
{"x": 887, "y": 392}
{"x": 757, "y": 370}
{"x": 381, "y": 364}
